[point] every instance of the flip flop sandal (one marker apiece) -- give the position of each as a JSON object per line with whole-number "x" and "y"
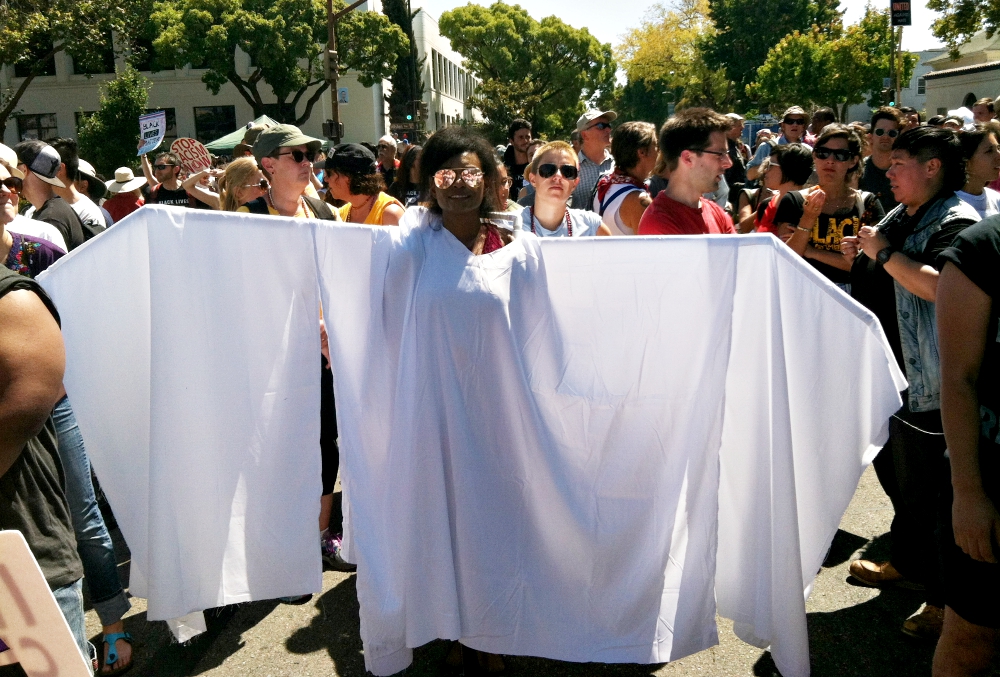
{"x": 111, "y": 640}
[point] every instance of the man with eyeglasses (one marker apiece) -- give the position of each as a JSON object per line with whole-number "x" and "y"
{"x": 694, "y": 145}
{"x": 793, "y": 130}
{"x": 887, "y": 124}
{"x": 165, "y": 181}
{"x": 595, "y": 159}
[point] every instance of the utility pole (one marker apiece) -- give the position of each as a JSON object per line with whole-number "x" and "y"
{"x": 333, "y": 129}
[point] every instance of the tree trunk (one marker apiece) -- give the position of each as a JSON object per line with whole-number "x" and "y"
{"x": 11, "y": 104}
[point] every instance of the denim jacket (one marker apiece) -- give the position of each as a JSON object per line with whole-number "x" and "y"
{"x": 915, "y": 316}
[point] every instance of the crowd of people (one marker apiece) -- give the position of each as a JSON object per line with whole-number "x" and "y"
{"x": 901, "y": 214}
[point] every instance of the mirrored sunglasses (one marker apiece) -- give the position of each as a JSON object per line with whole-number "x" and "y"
{"x": 893, "y": 133}
{"x": 601, "y": 125}
{"x": 471, "y": 176}
{"x": 548, "y": 170}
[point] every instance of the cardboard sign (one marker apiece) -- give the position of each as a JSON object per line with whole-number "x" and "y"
{"x": 35, "y": 639}
{"x": 152, "y": 127}
{"x": 193, "y": 154}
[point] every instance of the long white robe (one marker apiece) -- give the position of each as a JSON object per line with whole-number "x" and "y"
{"x": 563, "y": 448}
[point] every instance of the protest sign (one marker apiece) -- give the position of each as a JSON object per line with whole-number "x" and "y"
{"x": 34, "y": 637}
{"x": 193, "y": 154}
{"x": 152, "y": 127}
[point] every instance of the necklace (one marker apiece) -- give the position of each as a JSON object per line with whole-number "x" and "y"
{"x": 300, "y": 205}
{"x": 366, "y": 205}
{"x": 569, "y": 222}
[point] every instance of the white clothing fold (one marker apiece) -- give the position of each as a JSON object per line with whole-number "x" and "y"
{"x": 567, "y": 448}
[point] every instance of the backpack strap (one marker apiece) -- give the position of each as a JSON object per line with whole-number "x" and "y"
{"x": 320, "y": 209}
{"x": 611, "y": 196}
{"x": 258, "y": 206}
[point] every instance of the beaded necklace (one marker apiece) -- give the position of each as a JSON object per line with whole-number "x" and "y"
{"x": 301, "y": 204}
{"x": 569, "y": 222}
{"x": 367, "y": 204}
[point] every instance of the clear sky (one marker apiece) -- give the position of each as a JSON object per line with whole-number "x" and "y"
{"x": 608, "y": 20}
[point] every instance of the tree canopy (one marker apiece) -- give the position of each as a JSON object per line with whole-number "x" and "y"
{"x": 545, "y": 71}
{"x": 665, "y": 55}
{"x": 32, "y": 32}
{"x": 746, "y": 30}
{"x": 109, "y": 137}
{"x": 285, "y": 40}
{"x": 964, "y": 18}
{"x": 407, "y": 85}
{"x": 833, "y": 68}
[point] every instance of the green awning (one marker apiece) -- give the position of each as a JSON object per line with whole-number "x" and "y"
{"x": 225, "y": 144}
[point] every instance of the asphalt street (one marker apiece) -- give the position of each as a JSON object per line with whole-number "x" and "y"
{"x": 853, "y": 630}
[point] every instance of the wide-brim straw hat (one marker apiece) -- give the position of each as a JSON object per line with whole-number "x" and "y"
{"x": 125, "y": 181}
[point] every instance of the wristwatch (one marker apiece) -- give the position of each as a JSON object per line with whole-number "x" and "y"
{"x": 884, "y": 253}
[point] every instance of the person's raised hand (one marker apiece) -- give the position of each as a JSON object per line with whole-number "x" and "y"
{"x": 849, "y": 247}
{"x": 813, "y": 206}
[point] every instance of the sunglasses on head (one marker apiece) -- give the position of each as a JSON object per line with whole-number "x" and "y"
{"x": 263, "y": 185}
{"x": 839, "y": 154}
{"x": 548, "y": 170}
{"x": 893, "y": 133}
{"x": 298, "y": 156}
{"x": 471, "y": 176}
{"x": 161, "y": 167}
{"x": 601, "y": 125}
{"x": 13, "y": 184}
{"x": 794, "y": 121}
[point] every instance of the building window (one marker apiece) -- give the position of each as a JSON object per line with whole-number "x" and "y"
{"x": 80, "y": 116}
{"x": 37, "y": 51}
{"x": 42, "y": 126}
{"x": 921, "y": 86}
{"x": 212, "y": 122}
{"x": 105, "y": 61}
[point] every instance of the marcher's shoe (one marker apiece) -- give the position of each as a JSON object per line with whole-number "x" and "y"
{"x": 330, "y": 546}
{"x": 879, "y": 574}
{"x": 926, "y": 623}
{"x": 296, "y": 600}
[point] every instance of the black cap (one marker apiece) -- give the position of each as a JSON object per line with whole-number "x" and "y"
{"x": 351, "y": 158}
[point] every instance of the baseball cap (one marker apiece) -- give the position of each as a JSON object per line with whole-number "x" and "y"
{"x": 42, "y": 159}
{"x": 735, "y": 116}
{"x": 351, "y": 158}
{"x": 281, "y": 136}
{"x": 253, "y": 131}
{"x": 592, "y": 115}
{"x": 9, "y": 159}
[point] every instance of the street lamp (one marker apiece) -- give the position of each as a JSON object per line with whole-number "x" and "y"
{"x": 333, "y": 129}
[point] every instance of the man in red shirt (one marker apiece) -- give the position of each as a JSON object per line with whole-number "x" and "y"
{"x": 694, "y": 146}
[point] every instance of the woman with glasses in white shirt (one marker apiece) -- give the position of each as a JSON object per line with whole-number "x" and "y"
{"x": 554, "y": 173}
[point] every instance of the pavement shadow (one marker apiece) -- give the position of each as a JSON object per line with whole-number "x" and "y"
{"x": 864, "y": 639}
{"x": 337, "y": 629}
{"x": 158, "y": 655}
{"x": 843, "y": 546}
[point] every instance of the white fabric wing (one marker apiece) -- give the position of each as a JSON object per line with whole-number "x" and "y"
{"x": 193, "y": 368}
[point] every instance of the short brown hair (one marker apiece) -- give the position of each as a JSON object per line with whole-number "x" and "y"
{"x": 887, "y": 113}
{"x": 690, "y": 129}
{"x": 838, "y": 131}
{"x": 985, "y": 101}
{"x": 629, "y": 139}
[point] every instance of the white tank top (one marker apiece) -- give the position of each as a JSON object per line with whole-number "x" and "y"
{"x": 612, "y": 204}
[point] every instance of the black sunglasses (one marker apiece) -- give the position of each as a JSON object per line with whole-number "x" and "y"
{"x": 162, "y": 167}
{"x": 893, "y": 133}
{"x": 839, "y": 154}
{"x": 794, "y": 121}
{"x": 601, "y": 125}
{"x": 548, "y": 170}
{"x": 13, "y": 184}
{"x": 298, "y": 156}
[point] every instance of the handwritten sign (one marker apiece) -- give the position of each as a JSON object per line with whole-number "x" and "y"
{"x": 152, "y": 127}
{"x": 35, "y": 639}
{"x": 193, "y": 154}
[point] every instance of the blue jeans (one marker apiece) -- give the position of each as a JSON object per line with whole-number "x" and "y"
{"x": 70, "y": 600}
{"x": 93, "y": 542}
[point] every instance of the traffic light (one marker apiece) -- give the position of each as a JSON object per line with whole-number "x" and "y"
{"x": 887, "y": 97}
{"x": 330, "y": 65}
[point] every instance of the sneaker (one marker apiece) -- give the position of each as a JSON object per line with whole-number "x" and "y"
{"x": 926, "y": 623}
{"x": 297, "y": 600}
{"x": 331, "y": 546}
{"x": 878, "y": 574}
